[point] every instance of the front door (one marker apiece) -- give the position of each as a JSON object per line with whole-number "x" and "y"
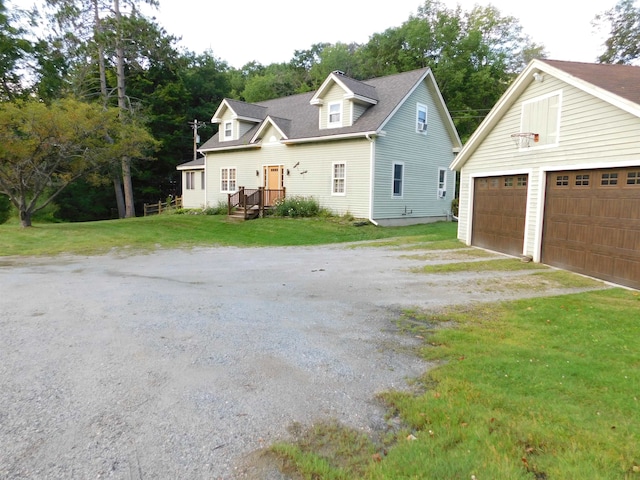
{"x": 273, "y": 183}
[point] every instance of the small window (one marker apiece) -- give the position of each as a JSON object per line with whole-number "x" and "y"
{"x": 562, "y": 180}
{"x": 442, "y": 182}
{"x": 227, "y": 180}
{"x": 338, "y": 179}
{"x": 521, "y": 181}
{"x": 398, "y": 179}
{"x": 202, "y": 180}
{"x": 582, "y": 180}
{"x": 609, "y": 179}
{"x": 190, "y": 180}
{"x": 228, "y": 130}
{"x": 633, "y": 178}
{"x": 508, "y": 181}
{"x": 483, "y": 183}
{"x": 421, "y": 119}
{"x": 335, "y": 114}
{"x": 494, "y": 182}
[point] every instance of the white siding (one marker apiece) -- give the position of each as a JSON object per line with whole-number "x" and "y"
{"x": 196, "y": 197}
{"x": 335, "y": 94}
{"x": 311, "y": 177}
{"x": 592, "y": 134}
{"x": 422, "y": 155}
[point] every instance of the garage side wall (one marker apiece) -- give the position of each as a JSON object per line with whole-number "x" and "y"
{"x": 592, "y": 134}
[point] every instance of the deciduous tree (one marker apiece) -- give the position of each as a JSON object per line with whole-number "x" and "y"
{"x": 45, "y": 148}
{"x": 623, "y": 23}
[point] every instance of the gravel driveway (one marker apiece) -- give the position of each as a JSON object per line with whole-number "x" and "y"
{"x": 179, "y": 363}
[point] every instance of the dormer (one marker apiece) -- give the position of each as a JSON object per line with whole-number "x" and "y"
{"x": 236, "y": 118}
{"x": 273, "y": 130}
{"x": 342, "y": 100}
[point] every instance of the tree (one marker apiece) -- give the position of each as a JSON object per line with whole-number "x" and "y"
{"x": 45, "y": 148}
{"x": 14, "y": 48}
{"x": 623, "y": 22}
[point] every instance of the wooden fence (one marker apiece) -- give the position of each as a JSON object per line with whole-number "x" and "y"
{"x": 155, "y": 208}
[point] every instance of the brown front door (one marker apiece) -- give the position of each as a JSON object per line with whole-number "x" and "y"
{"x": 592, "y": 223}
{"x": 499, "y": 211}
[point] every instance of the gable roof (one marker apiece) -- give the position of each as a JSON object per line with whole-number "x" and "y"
{"x": 297, "y": 118}
{"x": 353, "y": 89}
{"x": 241, "y": 110}
{"x": 618, "y": 85}
{"x": 196, "y": 164}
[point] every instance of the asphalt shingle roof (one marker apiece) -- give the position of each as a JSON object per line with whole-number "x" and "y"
{"x": 302, "y": 117}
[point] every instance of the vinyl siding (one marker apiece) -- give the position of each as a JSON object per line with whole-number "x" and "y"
{"x": 422, "y": 156}
{"x": 335, "y": 94}
{"x": 311, "y": 177}
{"x": 592, "y": 133}
{"x": 193, "y": 198}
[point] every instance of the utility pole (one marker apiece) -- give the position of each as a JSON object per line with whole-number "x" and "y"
{"x": 196, "y": 138}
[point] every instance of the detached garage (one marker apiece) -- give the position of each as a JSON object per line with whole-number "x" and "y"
{"x": 554, "y": 171}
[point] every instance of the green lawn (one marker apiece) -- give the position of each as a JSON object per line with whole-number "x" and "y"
{"x": 169, "y": 231}
{"x": 545, "y": 388}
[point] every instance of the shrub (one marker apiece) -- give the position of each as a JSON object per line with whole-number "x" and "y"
{"x": 297, "y": 207}
{"x": 454, "y": 207}
{"x": 219, "y": 209}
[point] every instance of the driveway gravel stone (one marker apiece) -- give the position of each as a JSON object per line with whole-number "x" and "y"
{"x": 180, "y": 363}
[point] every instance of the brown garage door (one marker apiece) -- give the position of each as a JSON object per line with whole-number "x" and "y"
{"x": 499, "y": 209}
{"x": 592, "y": 223}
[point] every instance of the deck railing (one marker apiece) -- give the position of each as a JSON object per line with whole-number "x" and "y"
{"x": 250, "y": 198}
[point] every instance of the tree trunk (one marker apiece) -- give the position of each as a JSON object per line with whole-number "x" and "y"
{"x": 25, "y": 218}
{"x": 122, "y": 105}
{"x": 117, "y": 186}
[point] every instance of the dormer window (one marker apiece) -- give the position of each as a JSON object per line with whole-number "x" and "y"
{"x": 335, "y": 114}
{"x": 228, "y": 130}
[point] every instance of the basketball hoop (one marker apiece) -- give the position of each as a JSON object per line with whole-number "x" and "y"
{"x": 524, "y": 139}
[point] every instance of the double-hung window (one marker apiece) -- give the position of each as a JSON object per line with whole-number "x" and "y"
{"x": 442, "y": 182}
{"x": 338, "y": 179}
{"x": 421, "y": 118}
{"x": 398, "y": 179}
{"x": 227, "y": 180}
{"x": 335, "y": 114}
{"x": 190, "y": 180}
{"x": 227, "y": 133}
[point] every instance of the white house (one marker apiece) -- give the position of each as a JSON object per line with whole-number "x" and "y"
{"x": 378, "y": 149}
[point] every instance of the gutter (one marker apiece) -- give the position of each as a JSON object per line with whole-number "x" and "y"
{"x": 330, "y": 138}
{"x": 372, "y": 164}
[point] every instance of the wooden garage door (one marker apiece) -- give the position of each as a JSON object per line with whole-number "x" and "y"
{"x": 592, "y": 223}
{"x": 499, "y": 209}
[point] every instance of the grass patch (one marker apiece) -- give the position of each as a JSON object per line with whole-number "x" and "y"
{"x": 171, "y": 231}
{"x": 543, "y": 388}
{"x": 499, "y": 265}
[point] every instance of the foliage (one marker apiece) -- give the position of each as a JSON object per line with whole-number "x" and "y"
{"x": 623, "y": 23}
{"x": 14, "y": 49}
{"x": 221, "y": 208}
{"x": 45, "y": 148}
{"x": 296, "y": 206}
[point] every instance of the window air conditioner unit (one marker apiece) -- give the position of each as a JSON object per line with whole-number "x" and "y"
{"x": 422, "y": 127}
{"x": 442, "y": 193}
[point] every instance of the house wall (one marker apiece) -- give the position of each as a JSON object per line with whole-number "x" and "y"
{"x": 422, "y": 156}
{"x": 592, "y": 134}
{"x": 335, "y": 94}
{"x": 195, "y": 198}
{"x": 311, "y": 177}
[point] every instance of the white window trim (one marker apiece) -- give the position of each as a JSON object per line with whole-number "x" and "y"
{"x": 442, "y": 186}
{"x": 229, "y": 190}
{"x": 393, "y": 180}
{"x": 331, "y": 124}
{"x": 189, "y": 180}
{"x": 334, "y": 178}
{"x": 532, "y": 145}
{"x": 422, "y": 107}
{"x": 226, "y": 137}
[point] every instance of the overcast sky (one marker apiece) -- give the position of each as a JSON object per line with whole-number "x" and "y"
{"x": 270, "y": 31}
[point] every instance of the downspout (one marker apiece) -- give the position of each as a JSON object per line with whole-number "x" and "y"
{"x": 372, "y": 169}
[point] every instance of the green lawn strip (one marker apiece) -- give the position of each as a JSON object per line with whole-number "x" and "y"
{"x": 440, "y": 235}
{"x": 169, "y": 231}
{"x": 498, "y": 265}
{"x": 540, "y": 388}
{"x": 532, "y": 389}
